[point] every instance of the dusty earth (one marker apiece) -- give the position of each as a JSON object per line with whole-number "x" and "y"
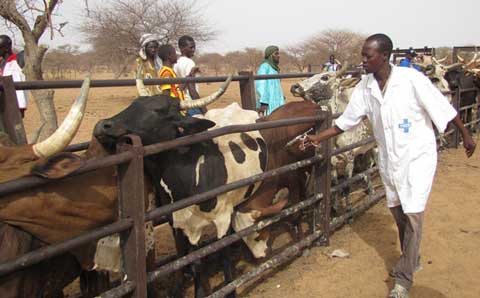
{"x": 450, "y": 245}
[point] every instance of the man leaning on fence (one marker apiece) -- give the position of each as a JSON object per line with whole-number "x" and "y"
{"x": 11, "y": 64}
{"x": 401, "y": 104}
{"x": 269, "y": 92}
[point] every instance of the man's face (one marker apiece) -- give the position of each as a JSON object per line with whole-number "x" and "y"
{"x": 173, "y": 56}
{"x": 372, "y": 59}
{"x": 189, "y": 49}
{"x": 4, "y": 47}
{"x": 151, "y": 49}
{"x": 276, "y": 57}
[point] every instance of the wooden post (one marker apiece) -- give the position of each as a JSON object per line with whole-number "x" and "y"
{"x": 454, "y": 55}
{"x": 11, "y": 118}
{"x": 456, "y": 104}
{"x": 247, "y": 91}
{"x": 322, "y": 175}
{"x": 132, "y": 205}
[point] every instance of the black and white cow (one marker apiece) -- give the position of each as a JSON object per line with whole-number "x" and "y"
{"x": 189, "y": 170}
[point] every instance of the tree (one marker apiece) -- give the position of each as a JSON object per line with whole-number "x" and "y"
{"x": 300, "y": 56}
{"x": 114, "y": 27}
{"x": 344, "y": 44}
{"x": 32, "y": 18}
{"x": 213, "y": 61}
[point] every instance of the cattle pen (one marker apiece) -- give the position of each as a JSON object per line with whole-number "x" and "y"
{"x": 132, "y": 217}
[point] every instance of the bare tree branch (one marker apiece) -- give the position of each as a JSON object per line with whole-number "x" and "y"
{"x": 8, "y": 10}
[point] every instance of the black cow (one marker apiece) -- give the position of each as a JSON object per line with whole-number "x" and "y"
{"x": 458, "y": 77}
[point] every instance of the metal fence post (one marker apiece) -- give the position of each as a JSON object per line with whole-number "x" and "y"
{"x": 456, "y": 105}
{"x": 11, "y": 119}
{"x": 247, "y": 91}
{"x": 322, "y": 182}
{"x": 132, "y": 205}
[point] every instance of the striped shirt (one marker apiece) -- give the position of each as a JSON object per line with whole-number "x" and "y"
{"x": 168, "y": 72}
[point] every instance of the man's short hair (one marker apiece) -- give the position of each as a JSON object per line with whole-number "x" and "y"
{"x": 7, "y": 40}
{"x": 182, "y": 41}
{"x": 384, "y": 42}
{"x": 165, "y": 50}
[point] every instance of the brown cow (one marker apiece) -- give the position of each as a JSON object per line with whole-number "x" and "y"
{"x": 291, "y": 183}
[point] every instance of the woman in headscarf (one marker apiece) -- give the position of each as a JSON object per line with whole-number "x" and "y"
{"x": 148, "y": 63}
{"x": 269, "y": 92}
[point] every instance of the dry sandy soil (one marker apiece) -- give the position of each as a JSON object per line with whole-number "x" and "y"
{"x": 451, "y": 232}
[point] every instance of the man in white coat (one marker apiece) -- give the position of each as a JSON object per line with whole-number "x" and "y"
{"x": 401, "y": 104}
{"x": 9, "y": 66}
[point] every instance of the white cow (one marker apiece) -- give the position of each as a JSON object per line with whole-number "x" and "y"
{"x": 330, "y": 89}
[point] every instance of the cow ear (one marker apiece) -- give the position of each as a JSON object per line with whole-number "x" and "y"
{"x": 57, "y": 166}
{"x": 191, "y": 125}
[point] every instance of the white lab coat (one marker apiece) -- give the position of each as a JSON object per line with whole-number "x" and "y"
{"x": 13, "y": 69}
{"x": 402, "y": 125}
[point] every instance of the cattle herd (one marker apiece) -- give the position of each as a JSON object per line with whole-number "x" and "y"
{"x": 69, "y": 207}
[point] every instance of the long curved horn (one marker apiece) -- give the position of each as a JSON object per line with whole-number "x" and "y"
{"x": 439, "y": 61}
{"x": 342, "y": 71}
{"x": 460, "y": 59}
{"x": 448, "y": 67}
{"x": 201, "y": 102}
{"x": 142, "y": 90}
{"x": 65, "y": 133}
{"x": 474, "y": 59}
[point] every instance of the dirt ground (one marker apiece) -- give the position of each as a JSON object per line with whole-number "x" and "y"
{"x": 451, "y": 231}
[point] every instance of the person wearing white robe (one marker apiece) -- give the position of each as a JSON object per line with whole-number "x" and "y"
{"x": 401, "y": 104}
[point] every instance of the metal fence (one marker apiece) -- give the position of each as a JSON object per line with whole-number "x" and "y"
{"x": 132, "y": 217}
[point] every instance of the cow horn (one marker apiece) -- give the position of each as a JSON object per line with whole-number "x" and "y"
{"x": 142, "y": 90}
{"x": 441, "y": 60}
{"x": 460, "y": 59}
{"x": 342, "y": 71}
{"x": 448, "y": 67}
{"x": 474, "y": 59}
{"x": 204, "y": 101}
{"x": 65, "y": 133}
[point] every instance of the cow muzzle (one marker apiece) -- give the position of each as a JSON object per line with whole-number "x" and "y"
{"x": 297, "y": 90}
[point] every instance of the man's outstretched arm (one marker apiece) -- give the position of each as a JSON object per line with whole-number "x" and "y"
{"x": 324, "y": 135}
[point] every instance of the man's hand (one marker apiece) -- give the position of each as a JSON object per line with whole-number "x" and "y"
{"x": 468, "y": 144}
{"x": 324, "y": 135}
{"x": 263, "y": 109}
{"x": 194, "y": 71}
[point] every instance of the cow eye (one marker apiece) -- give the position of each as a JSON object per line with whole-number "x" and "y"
{"x": 324, "y": 78}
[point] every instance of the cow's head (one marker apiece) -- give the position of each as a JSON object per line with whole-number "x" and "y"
{"x": 435, "y": 70}
{"x": 320, "y": 87}
{"x": 18, "y": 161}
{"x": 155, "y": 119}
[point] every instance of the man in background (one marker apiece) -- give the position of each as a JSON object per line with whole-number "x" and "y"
{"x": 148, "y": 62}
{"x": 269, "y": 92}
{"x": 185, "y": 67}
{"x": 11, "y": 65}
{"x": 331, "y": 64}
{"x": 408, "y": 61}
{"x": 169, "y": 58}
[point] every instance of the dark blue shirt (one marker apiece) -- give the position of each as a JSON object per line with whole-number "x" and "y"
{"x": 405, "y": 62}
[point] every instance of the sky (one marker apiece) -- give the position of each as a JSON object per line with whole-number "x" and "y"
{"x": 259, "y": 23}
